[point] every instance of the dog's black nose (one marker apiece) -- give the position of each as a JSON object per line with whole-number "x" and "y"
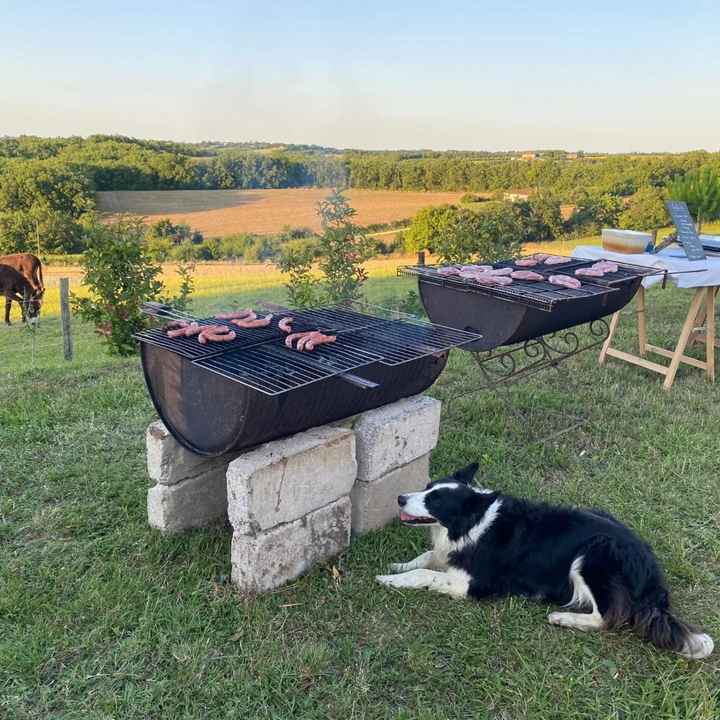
{"x": 402, "y": 500}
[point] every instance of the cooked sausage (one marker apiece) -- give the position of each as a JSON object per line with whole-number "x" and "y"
{"x": 236, "y": 315}
{"x": 193, "y": 329}
{"x": 175, "y": 329}
{"x": 286, "y": 324}
{"x": 296, "y": 336}
{"x": 319, "y": 339}
{"x": 211, "y": 333}
{"x": 253, "y": 322}
{"x": 566, "y": 281}
{"x": 526, "y": 275}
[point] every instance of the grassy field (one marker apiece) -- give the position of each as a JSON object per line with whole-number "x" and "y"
{"x": 100, "y": 617}
{"x": 223, "y": 212}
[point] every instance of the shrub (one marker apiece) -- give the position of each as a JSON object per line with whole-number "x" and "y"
{"x": 121, "y": 275}
{"x": 701, "y": 191}
{"x": 646, "y": 211}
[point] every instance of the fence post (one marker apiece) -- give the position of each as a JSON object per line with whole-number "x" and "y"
{"x": 65, "y": 318}
{"x": 421, "y": 257}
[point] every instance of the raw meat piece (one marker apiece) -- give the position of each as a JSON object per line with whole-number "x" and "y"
{"x": 488, "y": 279}
{"x": 555, "y": 260}
{"x": 526, "y": 275}
{"x": 449, "y": 270}
{"x": 286, "y": 324}
{"x": 497, "y": 272}
{"x": 566, "y": 281}
{"x": 589, "y": 272}
{"x": 606, "y": 266}
{"x": 527, "y": 262}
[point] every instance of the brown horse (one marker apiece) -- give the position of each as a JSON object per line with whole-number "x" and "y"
{"x": 28, "y": 265}
{"x": 14, "y": 286}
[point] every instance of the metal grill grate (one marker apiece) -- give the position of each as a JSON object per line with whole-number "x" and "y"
{"x": 274, "y": 369}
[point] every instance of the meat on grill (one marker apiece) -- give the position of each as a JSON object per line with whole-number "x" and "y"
{"x": 308, "y": 340}
{"x": 566, "y": 281}
{"x": 235, "y": 315}
{"x": 180, "y": 328}
{"x": 589, "y": 272}
{"x": 527, "y": 262}
{"x": 286, "y": 324}
{"x": 526, "y": 275}
{"x": 498, "y": 272}
{"x": 555, "y": 260}
{"x": 215, "y": 333}
{"x": 606, "y": 266}
{"x": 253, "y": 322}
{"x": 488, "y": 279}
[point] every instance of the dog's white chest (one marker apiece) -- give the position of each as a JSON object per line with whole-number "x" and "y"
{"x": 441, "y": 545}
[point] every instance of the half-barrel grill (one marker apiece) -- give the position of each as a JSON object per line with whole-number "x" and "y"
{"x": 221, "y": 397}
{"x": 509, "y": 314}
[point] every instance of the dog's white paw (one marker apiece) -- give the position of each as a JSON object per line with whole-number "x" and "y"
{"x": 398, "y": 567}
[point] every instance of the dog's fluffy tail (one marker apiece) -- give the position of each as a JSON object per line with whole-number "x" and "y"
{"x": 656, "y": 623}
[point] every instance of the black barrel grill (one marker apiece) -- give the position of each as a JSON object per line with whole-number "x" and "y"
{"x": 222, "y": 397}
{"x": 508, "y": 314}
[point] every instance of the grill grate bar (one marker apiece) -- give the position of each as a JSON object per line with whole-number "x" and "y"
{"x": 273, "y": 368}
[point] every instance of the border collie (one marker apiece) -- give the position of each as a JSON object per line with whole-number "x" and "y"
{"x": 488, "y": 544}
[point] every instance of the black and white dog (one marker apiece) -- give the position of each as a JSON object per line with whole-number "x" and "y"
{"x": 488, "y": 544}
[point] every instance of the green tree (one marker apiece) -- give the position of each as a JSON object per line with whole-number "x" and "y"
{"x": 701, "y": 191}
{"x": 646, "y": 211}
{"x": 120, "y": 275}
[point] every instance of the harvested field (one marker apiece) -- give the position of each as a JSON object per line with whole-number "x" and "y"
{"x": 223, "y": 212}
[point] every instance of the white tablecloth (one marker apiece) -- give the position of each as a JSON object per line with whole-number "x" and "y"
{"x": 668, "y": 259}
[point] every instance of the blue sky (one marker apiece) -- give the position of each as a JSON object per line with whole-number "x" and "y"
{"x": 468, "y": 75}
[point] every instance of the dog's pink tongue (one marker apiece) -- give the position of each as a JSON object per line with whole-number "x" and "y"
{"x": 405, "y": 517}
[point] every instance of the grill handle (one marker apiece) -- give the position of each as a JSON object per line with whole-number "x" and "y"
{"x": 357, "y": 381}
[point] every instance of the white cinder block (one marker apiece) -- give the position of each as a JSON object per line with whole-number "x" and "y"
{"x": 168, "y": 462}
{"x": 193, "y": 503}
{"x": 394, "y": 435}
{"x": 269, "y": 558}
{"x": 286, "y": 479}
{"x": 374, "y": 504}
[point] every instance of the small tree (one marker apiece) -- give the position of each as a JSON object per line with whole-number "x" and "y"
{"x": 701, "y": 191}
{"x": 120, "y": 276}
{"x": 646, "y": 211}
{"x": 341, "y": 251}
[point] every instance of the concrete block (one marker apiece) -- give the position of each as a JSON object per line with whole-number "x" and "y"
{"x": 286, "y": 479}
{"x": 374, "y": 504}
{"x": 193, "y": 503}
{"x": 394, "y": 435}
{"x": 268, "y": 559}
{"x": 168, "y": 462}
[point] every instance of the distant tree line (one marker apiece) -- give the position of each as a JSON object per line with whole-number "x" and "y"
{"x": 48, "y": 185}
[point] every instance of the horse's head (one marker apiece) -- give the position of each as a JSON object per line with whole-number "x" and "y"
{"x": 32, "y": 302}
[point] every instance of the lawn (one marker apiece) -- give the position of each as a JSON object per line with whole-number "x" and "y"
{"x": 100, "y": 617}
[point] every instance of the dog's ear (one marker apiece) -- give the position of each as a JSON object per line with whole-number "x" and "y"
{"x": 467, "y": 474}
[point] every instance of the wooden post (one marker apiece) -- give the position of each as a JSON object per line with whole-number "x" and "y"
{"x": 65, "y": 318}
{"x": 421, "y": 257}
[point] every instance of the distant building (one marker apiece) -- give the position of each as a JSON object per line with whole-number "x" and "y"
{"x": 517, "y": 195}
{"x": 530, "y": 156}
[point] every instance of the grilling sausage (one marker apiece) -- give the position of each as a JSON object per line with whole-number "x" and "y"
{"x": 215, "y": 333}
{"x": 253, "y": 322}
{"x": 286, "y": 324}
{"x": 176, "y": 328}
{"x": 526, "y": 275}
{"x": 236, "y": 315}
{"x": 193, "y": 329}
{"x": 565, "y": 281}
{"x": 308, "y": 340}
{"x": 319, "y": 339}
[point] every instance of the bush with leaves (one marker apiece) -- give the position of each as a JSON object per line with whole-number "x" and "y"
{"x": 701, "y": 191}
{"x": 458, "y": 234}
{"x": 120, "y": 276}
{"x": 341, "y": 250}
{"x": 646, "y": 211}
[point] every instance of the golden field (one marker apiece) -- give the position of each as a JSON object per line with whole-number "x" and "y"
{"x": 224, "y": 212}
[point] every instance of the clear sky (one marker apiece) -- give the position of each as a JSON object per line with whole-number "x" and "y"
{"x": 607, "y": 75}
